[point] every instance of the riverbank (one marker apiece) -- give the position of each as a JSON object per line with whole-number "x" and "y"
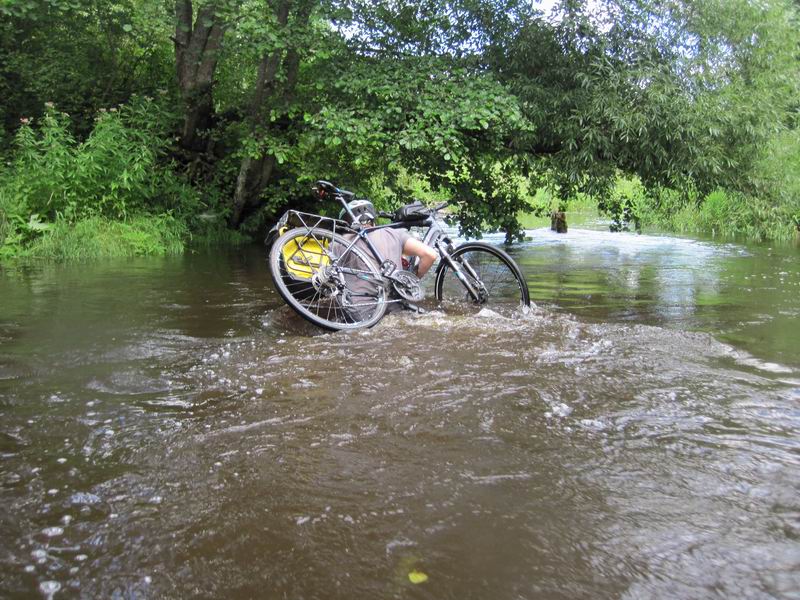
{"x": 101, "y": 238}
{"x": 720, "y": 215}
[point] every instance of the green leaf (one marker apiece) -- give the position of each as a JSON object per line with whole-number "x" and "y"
{"x": 416, "y": 577}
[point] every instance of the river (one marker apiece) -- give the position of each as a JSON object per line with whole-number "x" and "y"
{"x": 168, "y": 429}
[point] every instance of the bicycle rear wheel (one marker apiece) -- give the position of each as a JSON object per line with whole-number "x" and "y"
{"x": 325, "y": 283}
{"x": 491, "y": 273}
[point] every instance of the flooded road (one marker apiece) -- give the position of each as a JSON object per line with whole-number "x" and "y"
{"x": 169, "y": 429}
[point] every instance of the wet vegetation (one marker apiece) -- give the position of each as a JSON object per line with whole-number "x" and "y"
{"x": 133, "y": 127}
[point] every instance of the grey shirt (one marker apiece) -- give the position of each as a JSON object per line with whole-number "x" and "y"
{"x": 389, "y": 243}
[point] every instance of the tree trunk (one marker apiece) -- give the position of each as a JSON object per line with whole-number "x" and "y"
{"x": 196, "y": 54}
{"x": 558, "y": 221}
{"x": 254, "y": 174}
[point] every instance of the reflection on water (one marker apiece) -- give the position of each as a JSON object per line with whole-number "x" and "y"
{"x": 745, "y": 295}
{"x": 169, "y": 429}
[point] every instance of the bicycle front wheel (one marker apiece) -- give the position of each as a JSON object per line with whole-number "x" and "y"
{"x": 325, "y": 282}
{"x": 490, "y": 272}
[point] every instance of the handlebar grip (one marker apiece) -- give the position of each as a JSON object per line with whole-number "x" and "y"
{"x": 385, "y": 215}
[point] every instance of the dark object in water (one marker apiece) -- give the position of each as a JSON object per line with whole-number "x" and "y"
{"x": 558, "y": 221}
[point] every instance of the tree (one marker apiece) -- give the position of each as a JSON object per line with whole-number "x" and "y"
{"x": 470, "y": 95}
{"x": 80, "y": 55}
{"x": 197, "y": 48}
{"x": 256, "y": 167}
{"x": 678, "y": 93}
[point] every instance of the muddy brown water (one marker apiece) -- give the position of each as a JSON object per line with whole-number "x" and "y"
{"x": 168, "y": 429}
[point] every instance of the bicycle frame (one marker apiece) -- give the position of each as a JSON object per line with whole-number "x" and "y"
{"x": 434, "y": 237}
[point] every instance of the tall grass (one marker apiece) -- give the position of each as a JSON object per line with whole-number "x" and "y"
{"x": 723, "y": 214}
{"x": 100, "y": 237}
{"x": 112, "y": 194}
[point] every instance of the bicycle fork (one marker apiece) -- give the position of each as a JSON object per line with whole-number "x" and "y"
{"x": 479, "y": 295}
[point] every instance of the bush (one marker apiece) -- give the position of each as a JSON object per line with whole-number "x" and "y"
{"x": 721, "y": 213}
{"x": 100, "y": 237}
{"x": 55, "y": 187}
{"x": 117, "y": 171}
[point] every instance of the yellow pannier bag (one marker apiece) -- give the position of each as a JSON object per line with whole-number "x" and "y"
{"x": 305, "y": 256}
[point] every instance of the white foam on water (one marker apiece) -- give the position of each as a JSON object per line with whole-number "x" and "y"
{"x": 769, "y": 367}
{"x": 559, "y": 409}
{"x": 491, "y": 479}
{"x": 626, "y": 243}
{"x": 84, "y": 498}
{"x": 593, "y": 424}
{"x": 49, "y": 588}
{"x": 399, "y": 543}
{"x": 52, "y": 532}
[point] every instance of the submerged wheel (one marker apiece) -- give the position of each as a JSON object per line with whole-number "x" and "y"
{"x": 346, "y": 295}
{"x": 490, "y": 271}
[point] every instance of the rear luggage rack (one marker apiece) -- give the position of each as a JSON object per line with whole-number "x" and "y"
{"x": 296, "y": 218}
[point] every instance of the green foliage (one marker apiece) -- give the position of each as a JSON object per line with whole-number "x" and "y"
{"x": 212, "y": 234}
{"x": 449, "y": 124}
{"x": 721, "y": 213}
{"x": 99, "y": 237}
{"x": 116, "y": 172}
{"x": 677, "y": 96}
{"x": 778, "y": 173}
{"x": 81, "y": 56}
{"x": 652, "y": 108}
{"x": 119, "y": 173}
{"x": 624, "y": 203}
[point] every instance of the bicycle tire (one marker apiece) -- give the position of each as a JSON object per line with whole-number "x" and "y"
{"x": 499, "y": 275}
{"x": 298, "y": 262}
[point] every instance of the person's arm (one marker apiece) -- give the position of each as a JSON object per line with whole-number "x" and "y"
{"x": 427, "y": 255}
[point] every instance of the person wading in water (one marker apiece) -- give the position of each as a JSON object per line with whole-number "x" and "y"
{"x": 393, "y": 244}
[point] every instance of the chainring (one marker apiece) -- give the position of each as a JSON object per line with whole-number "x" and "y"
{"x": 407, "y": 285}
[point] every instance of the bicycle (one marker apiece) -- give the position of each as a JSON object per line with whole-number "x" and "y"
{"x": 331, "y": 274}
